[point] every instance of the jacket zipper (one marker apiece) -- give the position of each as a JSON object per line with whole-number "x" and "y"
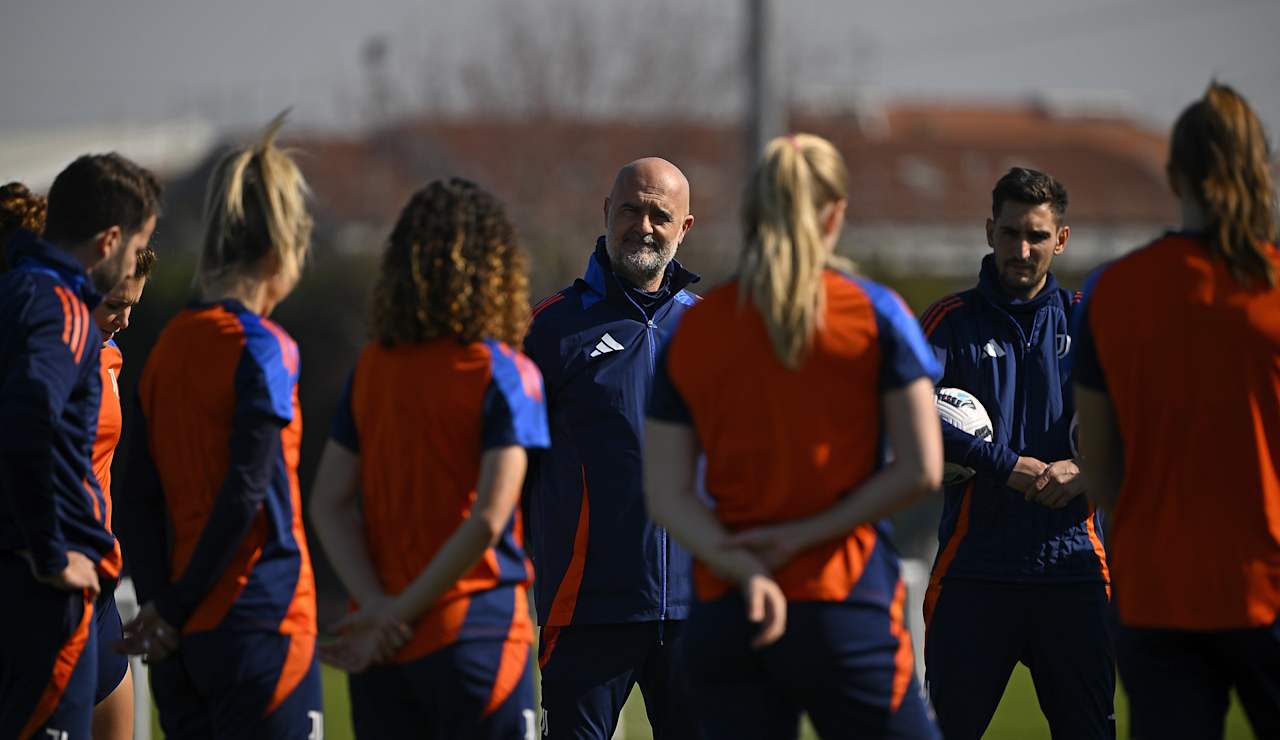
{"x": 662, "y": 531}
{"x": 1041, "y": 320}
{"x": 651, "y": 331}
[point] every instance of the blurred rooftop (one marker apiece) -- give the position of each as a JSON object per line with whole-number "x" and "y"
{"x": 921, "y": 175}
{"x": 910, "y": 163}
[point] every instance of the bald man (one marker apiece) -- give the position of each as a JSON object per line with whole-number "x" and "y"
{"x": 612, "y": 588}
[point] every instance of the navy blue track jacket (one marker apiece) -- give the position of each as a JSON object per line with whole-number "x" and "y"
{"x": 597, "y": 556}
{"x": 49, "y": 395}
{"x": 988, "y": 530}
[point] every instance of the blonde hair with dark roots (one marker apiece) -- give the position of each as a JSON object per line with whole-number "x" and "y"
{"x": 780, "y": 270}
{"x": 453, "y": 267}
{"x": 255, "y": 210}
{"x": 1220, "y": 148}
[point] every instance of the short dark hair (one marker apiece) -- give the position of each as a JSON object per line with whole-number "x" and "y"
{"x": 1031, "y": 187}
{"x": 96, "y": 192}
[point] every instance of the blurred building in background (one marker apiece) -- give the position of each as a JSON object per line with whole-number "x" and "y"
{"x": 921, "y": 188}
{"x": 922, "y": 177}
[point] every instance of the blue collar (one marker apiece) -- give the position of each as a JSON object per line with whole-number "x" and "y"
{"x": 601, "y": 280}
{"x": 232, "y": 305}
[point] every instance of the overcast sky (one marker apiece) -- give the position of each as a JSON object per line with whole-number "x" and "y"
{"x": 235, "y": 62}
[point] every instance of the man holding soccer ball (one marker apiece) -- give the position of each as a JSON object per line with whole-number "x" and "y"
{"x": 1021, "y": 575}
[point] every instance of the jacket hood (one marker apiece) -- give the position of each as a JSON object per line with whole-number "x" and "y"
{"x": 26, "y": 247}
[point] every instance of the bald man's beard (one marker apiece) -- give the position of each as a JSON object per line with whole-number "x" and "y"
{"x": 641, "y": 259}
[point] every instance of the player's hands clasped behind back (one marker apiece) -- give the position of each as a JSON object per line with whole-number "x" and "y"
{"x": 148, "y": 635}
{"x": 766, "y": 604}
{"x": 775, "y": 545}
{"x": 767, "y": 607}
{"x": 771, "y": 547}
{"x": 372, "y": 635}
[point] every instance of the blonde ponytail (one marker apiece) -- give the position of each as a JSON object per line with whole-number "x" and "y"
{"x": 255, "y": 210}
{"x": 780, "y": 270}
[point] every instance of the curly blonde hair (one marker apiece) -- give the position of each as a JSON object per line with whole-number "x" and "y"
{"x": 453, "y": 267}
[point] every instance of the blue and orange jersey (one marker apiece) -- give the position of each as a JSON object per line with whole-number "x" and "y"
{"x": 785, "y": 444}
{"x": 110, "y": 421}
{"x": 215, "y": 465}
{"x": 49, "y": 394}
{"x": 1190, "y": 358}
{"x": 420, "y": 416}
{"x": 1016, "y": 358}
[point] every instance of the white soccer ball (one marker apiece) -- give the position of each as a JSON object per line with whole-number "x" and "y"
{"x": 962, "y": 410}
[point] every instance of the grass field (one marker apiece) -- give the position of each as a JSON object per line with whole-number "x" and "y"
{"x": 1018, "y": 717}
